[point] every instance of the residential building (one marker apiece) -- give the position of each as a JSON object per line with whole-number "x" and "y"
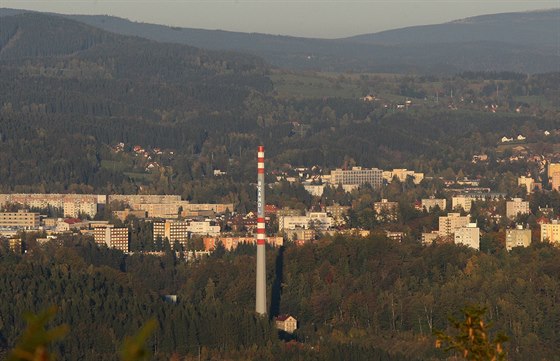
{"x": 450, "y": 223}
{"x": 552, "y": 168}
{"x": 518, "y": 237}
{"x": 204, "y": 228}
{"x": 432, "y": 202}
{"x": 20, "y": 219}
{"x": 550, "y": 232}
{"x": 462, "y": 202}
{"x": 286, "y": 323}
{"x": 111, "y": 236}
{"x": 158, "y": 210}
{"x": 301, "y": 234}
{"x": 395, "y": 236}
{"x": 218, "y": 208}
{"x": 16, "y": 245}
{"x": 526, "y": 182}
{"x": 402, "y": 175}
{"x": 386, "y": 211}
{"x": 72, "y": 204}
{"x": 337, "y": 212}
{"x": 515, "y": 207}
{"x": 231, "y": 243}
{"x": 314, "y": 189}
{"x": 555, "y": 181}
{"x": 429, "y": 237}
{"x": 173, "y": 230}
{"x": 319, "y": 221}
{"x": 357, "y": 176}
{"x": 68, "y": 224}
{"x": 143, "y": 198}
{"x": 465, "y": 200}
{"x": 468, "y": 235}
{"x": 123, "y": 215}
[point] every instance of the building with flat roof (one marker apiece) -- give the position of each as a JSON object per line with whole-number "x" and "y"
{"x": 402, "y": 175}
{"x": 429, "y": 203}
{"x": 357, "y": 176}
{"x": 468, "y": 235}
{"x": 112, "y": 237}
{"x": 173, "y": 230}
{"x": 518, "y": 237}
{"x": 550, "y": 232}
{"x": 21, "y": 219}
{"x": 526, "y": 182}
{"x": 72, "y": 204}
{"x": 450, "y": 223}
{"x": 319, "y": 221}
{"x": 386, "y": 211}
{"x": 515, "y": 207}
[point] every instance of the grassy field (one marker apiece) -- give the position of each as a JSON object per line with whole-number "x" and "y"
{"x": 114, "y": 165}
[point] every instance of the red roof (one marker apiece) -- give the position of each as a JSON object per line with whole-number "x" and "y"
{"x": 72, "y": 220}
{"x": 283, "y": 317}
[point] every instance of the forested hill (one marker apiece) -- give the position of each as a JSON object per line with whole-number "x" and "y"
{"x": 518, "y": 29}
{"x": 68, "y": 89}
{"x": 522, "y": 42}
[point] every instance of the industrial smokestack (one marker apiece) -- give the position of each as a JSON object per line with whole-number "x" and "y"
{"x": 260, "y": 306}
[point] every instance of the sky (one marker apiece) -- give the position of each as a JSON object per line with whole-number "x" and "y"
{"x": 307, "y": 18}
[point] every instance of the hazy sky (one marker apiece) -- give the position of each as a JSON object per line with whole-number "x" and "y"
{"x": 310, "y": 18}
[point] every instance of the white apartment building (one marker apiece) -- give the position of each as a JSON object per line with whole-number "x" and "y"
{"x": 462, "y": 201}
{"x": 429, "y": 203}
{"x": 450, "y": 223}
{"x": 204, "y": 228}
{"x": 317, "y": 220}
{"x": 518, "y": 237}
{"x": 468, "y": 235}
{"x": 527, "y": 182}
{"x": 402, "y": 175}
{"x": 357, "y": 176}
{"x": 516, "y": 206}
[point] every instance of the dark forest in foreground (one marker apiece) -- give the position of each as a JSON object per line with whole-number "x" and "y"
{"x": 372, "y": 295}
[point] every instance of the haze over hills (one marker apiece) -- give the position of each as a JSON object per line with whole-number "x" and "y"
{"x": 522, "y": 42}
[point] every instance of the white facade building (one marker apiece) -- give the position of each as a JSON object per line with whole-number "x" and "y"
{"x": 468, "y": 235}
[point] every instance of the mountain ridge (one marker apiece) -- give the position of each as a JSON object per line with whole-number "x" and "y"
{"x": 423, "y": 49}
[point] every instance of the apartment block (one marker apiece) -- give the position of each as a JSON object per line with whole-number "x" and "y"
{"x": 385, "y": 210}
{"x": 312, "y": 220}
{"x": 468, "y": 235}
{"x": 337, "y": 212}
{"x": 516, "y": 206}
{"x": 429, "y": 203}
{"x": 462, "y": 201}
{"x": 204, "y": 228}
{"x": 112, "y": 237}
{"x": 231, "y": 243}
{"x": 143, "y": 198}
{"x": 20, "y": 219}
{"x": 526, "y": 182}
{"x": 518, "y": 237}
{"x": 72, "y": 204}
{"x": 402, "y": 175}
{"x": 172, "y": 230}
{"x": 450, "y": 223}
{"x": 550, "y": 232}
{"x": 357, "y": 176}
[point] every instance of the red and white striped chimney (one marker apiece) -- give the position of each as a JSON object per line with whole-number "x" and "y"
{"x": 260, "y": 306}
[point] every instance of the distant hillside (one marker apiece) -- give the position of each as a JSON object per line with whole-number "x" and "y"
{"x": 534, "y": 28}
{"x": 521, "y": 42}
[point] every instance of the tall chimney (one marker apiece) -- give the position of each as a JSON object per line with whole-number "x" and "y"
{"x": 260, "y": 306}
